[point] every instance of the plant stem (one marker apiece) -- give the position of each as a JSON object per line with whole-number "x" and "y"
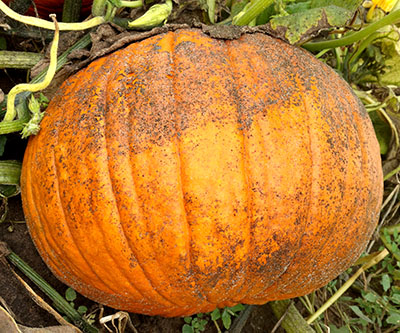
{"x": 21, "y": 60}
{"x": 71, "y": 10}
{"x": 37, "y": 22}
{"x": 58, "y": 300}
{"x": 391, "y": 173}
{"x": 251, "y": 12}
{"x": 99, "y": 7}
{"x": 363, "y": 45}
{"x": 7, "y": 127}
{"x": 132, "y": 4}
{"x": 374, "y": 260}
{"x": 63, "y": 58}
{"x": 391, "y": 18}
{"x": 23, "y": 114}
{"x": 293, "y": 322}
{"x": 155, "y": 16}
{"x": 33, "y": 87}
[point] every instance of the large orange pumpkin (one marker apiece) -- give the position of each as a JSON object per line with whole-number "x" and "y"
{"x": 185, "y": 173}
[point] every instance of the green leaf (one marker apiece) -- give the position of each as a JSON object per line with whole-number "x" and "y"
{"x": 392, "y": 72}
{"x": 383, "y": 132}
{"x": 386, "y": 282}
{"x": 298, "y": 7}
{"x": 7, "y": 191}
{"x": 70, "y": 294}
{"x": 395, "y": 298}
{"x": 390, "y": 269}
{"x": 202, "y": 324}
{"x": 226, "y": 319}
{"x": 370, "y": 297}
{"x": 323, "y": 15}
{"x": 395, "y": 233}
{"x": 82, "y": 309}
{"x": 360, "y": 314}
{"x": 396, "y": 274}
{"x": 188, "y": 320}
{"x": 334, "y": 329}
{"x": 187, "y": 329}
{"x": 350, "y": 5}
{"x": 43, "y": 100}
{"x": 237, "y": 308}
{"x": 216, "y": 314}
{"x": 394, "y": 318}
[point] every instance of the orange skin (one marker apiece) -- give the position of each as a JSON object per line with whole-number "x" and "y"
{"x": 185, "y": 173}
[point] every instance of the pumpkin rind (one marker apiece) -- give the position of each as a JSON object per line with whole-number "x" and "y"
{"x": 185, "y": 173}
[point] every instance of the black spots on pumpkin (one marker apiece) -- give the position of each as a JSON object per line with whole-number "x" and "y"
{"x": 156, "y": 47}
{"x": 196, "y": 49}
{"x": 331, "y": 142}
{"x": 245, "y": 121}
{"x": 185, "y": 46}
{"x": 224, "y": 265}
{"x": 298, "y": 221}
{"x": 152, "y": 128}
{"x": 268, "y": 263}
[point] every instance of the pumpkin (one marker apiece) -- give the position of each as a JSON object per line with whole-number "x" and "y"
{"x": 184, "y": 173}
{"x": 47, "y": 7}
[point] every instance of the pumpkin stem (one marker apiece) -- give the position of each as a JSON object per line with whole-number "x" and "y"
{"x": 33, "y": 87}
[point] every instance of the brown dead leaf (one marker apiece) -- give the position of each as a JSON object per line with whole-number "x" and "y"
{"x": 9, "y": 325}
